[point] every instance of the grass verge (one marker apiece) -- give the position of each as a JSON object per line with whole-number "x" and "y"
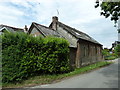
{"x": 110, "y": 57}
{"x": 47, "y": 79}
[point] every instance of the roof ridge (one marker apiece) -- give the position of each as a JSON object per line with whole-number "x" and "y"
{"x": 42, "y": 25}
{"x": 46, "y": 31}
{"x": 74, "y": 28}
{"x": 10, "y": 26}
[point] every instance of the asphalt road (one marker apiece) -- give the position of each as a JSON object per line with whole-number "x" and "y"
{"x": 106, "y": 77}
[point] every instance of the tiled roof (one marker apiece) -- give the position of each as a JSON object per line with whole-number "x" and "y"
{"x": 77, "y": 34}
{"x": 11, "y": 28}
{"x": 46, "y": 31}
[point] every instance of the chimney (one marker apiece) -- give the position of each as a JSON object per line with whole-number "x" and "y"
{"x": 55, "y": 19}
{"x": 54, "y": 22}
{"x": 25, "y": 29}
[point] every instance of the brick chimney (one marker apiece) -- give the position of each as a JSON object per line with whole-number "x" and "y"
{"x": 54, "y": 18}
{"x": 54, "y": 22}
{"x": 25, "y": 29}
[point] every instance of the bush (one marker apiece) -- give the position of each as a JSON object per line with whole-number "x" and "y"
{"x": 108, "y": 55}
{"x": 117, "y": 50}
{"x": 24, "y": 56}
{"x": 54, "y": 55}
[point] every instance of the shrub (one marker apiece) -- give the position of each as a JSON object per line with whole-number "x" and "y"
{"x": 108, "y": 55}
{"x": 24, "y": 56}
{"x": 117, "y": 50}
{"x": 54, "y": 55}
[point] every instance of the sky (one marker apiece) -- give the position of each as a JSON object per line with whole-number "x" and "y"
{"x": 79, "y": 14}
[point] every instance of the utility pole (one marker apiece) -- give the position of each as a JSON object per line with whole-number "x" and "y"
{"x": 119, "y": 30}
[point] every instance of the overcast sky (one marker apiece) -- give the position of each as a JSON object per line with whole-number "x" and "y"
{"x": 79, "y": 14}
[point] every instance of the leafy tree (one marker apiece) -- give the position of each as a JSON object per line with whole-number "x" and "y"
{"x": 108, "y": 55}
{"x": 117, "y": 50}
{"x": 105, "y": 52}
{"x": 109, "y": 9}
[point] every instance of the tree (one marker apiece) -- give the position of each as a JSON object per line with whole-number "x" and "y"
{"x": 117, "y": 50}
{"x": 109, "y": 9}
{"x": 105, "y": 52}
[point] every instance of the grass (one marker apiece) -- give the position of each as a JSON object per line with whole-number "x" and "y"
{"x": 110, "y": 57}
{"x": 47, "y": 79}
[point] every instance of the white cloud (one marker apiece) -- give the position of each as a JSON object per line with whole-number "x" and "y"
{"x": 79, "y": 14}
{"x": 10, "y": 10}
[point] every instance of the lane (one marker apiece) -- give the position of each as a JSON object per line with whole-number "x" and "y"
{"x": 106, "y": 77}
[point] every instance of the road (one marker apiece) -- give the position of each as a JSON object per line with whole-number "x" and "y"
{"x": 106, "y": 77}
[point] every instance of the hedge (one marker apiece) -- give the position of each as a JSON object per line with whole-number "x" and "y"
{"x": 117, "y": 50}
{"x": 24, "y": 56}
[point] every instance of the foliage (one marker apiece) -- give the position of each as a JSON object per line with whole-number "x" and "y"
{"x": 109, "y": 9}
{"x": 47, "y": 79}
{"x": 55, "y": 54}
{"x": 117, "y": 50}
{"x": 24, "y": 56}
{"x": 108, "y": 55}
{"x": 105, "y": 52}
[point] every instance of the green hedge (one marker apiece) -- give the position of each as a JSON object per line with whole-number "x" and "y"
{"x": 117, "y": 50}
{"x": 24, "y": 56}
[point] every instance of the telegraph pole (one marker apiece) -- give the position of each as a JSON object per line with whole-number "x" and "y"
{"x": 119, "y": 30}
